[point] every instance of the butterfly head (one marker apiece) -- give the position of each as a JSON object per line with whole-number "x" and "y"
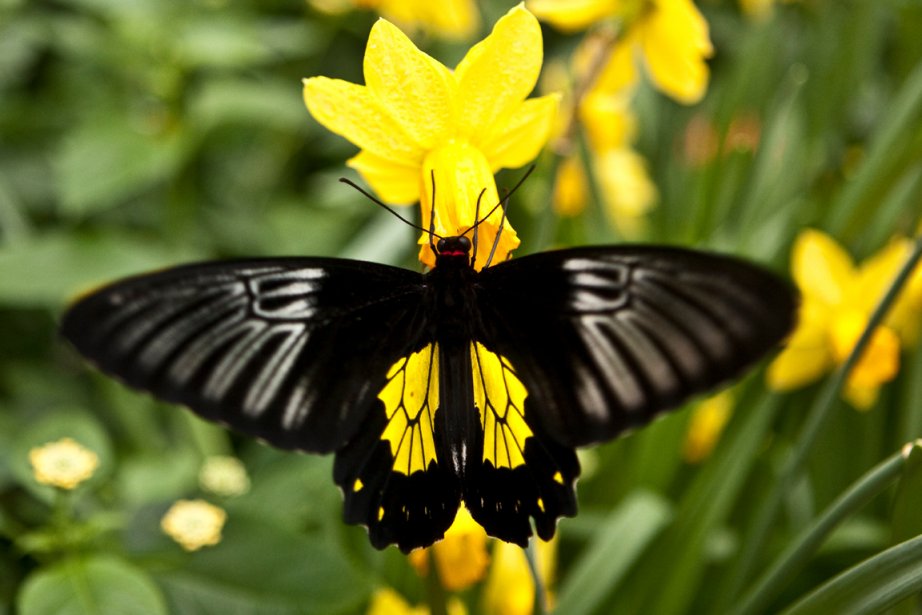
{"x": 453, "y": 247}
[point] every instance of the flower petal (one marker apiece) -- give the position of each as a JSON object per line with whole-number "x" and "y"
{"x": 821, "y": 268}
{"x": 805, "y": 359}
{"x": 497, "y": 74}
{"x": 393, "y": 183}
{"x": 608, "y": 120}
{"x": 627, "y": 190}
{"x": 461, "y": 175}
{"x": 572, "y": 15}
{"x": 413, "y": 88}
{"x": 675, "y": 43}
{"x": 523, "y": 136}
{"x": 350, "y": 111}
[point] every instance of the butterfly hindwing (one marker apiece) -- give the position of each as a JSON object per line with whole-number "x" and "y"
{"x": 392, "y": 475}
{"x": 292, "y": 351}
{"x": 609, "y": 337}
{"x": 520, "y": 472}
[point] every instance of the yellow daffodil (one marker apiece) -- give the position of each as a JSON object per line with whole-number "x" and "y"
{"x": 626, "y": 190}
{"x": 224, "y": 475}
{"x": 706, "y": 423}
{"x": 386, "y": 601}
{"x": 415, "y": 119}
{"x": 448, "y": 19}
{"x": 837, "y": 300}
{"x": 194, "y": 524}
{"x": 461, "y": 557}
{"x": 64, "y": 463}
{"x": 671, "y": 37}
{"x": 510, "y": 588}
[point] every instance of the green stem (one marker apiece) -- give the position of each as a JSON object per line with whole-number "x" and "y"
{"x": 438, "y": 599}
{"x": 531, "y": 554}
{"x": 802, "y": 547}
{"x": 816, "y": 419}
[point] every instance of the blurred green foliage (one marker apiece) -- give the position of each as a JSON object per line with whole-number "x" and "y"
{"x": 135, "y": 134}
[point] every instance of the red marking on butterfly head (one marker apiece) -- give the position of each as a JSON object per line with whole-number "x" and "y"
{"x": 453, "y": 247}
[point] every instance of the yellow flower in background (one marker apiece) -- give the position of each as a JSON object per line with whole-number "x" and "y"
{"x": 670, "y": 37}
{"x": 448, "y": 18}
{"x": 415, "y": 117}
{"x": 705, "y": 426}
{"x": 461, "y": 558}
{"x": 838, "y": 298}
{"x": 386, "y": 601}
{"x": 64, "y": 463}
{"x": 605, "y": 113}
{"x": 224, "y": 475}
{"x": 194, "y": 524}
{"x": 510, "y": 588}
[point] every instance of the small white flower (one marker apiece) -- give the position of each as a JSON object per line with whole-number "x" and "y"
{"x": 194, "y": 524}
{"x": 64, "y": 463}
{"x": 224, "y": 476}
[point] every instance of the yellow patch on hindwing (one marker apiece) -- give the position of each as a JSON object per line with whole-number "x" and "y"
{"x": 500, "y": 399}
{"x": 410, "y": 398}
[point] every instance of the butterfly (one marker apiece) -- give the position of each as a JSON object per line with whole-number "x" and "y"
{"x": 440, "y": 388}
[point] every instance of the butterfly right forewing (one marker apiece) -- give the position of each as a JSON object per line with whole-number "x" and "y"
{"x": 607, "y": 338}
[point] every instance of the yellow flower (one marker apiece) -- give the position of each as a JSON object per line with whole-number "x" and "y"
{"x": 510, "y": 588}
{"x": 414, "y": 118}
{"x": 224, "y": 475}
{"x": 194, "y": 524}
{"x": 448, "y": 18}
{"x": 461, "y": 557}
{"x": 671, "y": 37}
{"x": 707, "y": 422}
{"x": 837, "y": 300}
{"x": 626, "y": 189}
{"x": 64, "y": 463}
{"x": 385, "y": 601}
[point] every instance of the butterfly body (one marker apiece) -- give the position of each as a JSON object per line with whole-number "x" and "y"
{"x": 435, "y": 389}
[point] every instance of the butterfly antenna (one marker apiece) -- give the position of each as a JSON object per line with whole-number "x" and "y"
{"x": 476, "y": 216}
{"x": 502, "y": 202}
{"x": 377, "y": 202}
{"x": 499, "y": 232}
{"x": 432, "y": 213}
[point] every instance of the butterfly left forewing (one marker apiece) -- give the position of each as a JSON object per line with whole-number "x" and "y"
{"x": 292, "y": 351}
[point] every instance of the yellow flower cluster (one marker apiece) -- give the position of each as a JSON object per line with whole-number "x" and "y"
{"x": 64, "y": 463}
{"x": 838, "y": 297}
{"x": 194, "y": 524}
{"x": 671, "y": 38}
{"x": 418, "y": 123}
{"x": 462, "y": 559}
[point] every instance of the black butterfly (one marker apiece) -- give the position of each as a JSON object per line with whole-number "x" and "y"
{"x": 437, "y": 388}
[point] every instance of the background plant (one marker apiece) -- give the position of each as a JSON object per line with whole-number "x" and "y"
{"x": 139, "y": 134}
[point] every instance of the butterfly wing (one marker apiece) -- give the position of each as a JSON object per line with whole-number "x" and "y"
{"x": 292, "y": 351}
{"x": 606, "y": 338}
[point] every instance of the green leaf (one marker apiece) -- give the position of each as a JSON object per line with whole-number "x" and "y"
{"x": 103, "y": 162}
{"x": 871, "y": 586}
{"x": 95, "y": 585}
{"x": 907, "y": 522}
{"x": 621, "y": 539}
{"x": 260, "y": 566}
{"x": 48, "y": 271}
